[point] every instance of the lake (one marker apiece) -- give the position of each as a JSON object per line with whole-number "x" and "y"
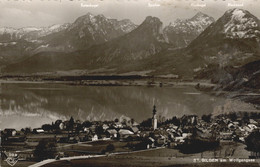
{"x": 33, "y": 104}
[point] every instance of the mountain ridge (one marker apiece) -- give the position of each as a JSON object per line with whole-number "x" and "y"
{"x": 181, "y": 32}
{"x": 146, "y": 49}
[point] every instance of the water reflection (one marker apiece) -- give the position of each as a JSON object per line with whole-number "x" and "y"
{"x": 22, "y": 104}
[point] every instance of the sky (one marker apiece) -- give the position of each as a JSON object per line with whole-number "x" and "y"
{"x": 24, "y": 13}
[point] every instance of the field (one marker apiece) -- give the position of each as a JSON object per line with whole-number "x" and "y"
{"x": 163, "y": 157}
{"x": 96, "y": 147}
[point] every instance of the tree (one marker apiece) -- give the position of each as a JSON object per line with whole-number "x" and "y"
{"x": 47, "y": 127}
{"x": 87, "y": 124}
{"x": 233, "y": 116}
{"x": 253, "y": 142}
{"x": 27, "y": 130}
{"x": 146, "y": 123}
{"x": 132, "y": 121}
{"x": 124, "y": 121}
{"x": 175, "y": 121}
{"x": 45, "y": 150}
{"x": 110, "y": 148}
{"x": 206, "y": 118}
{"x": 246, "y": 117}
{"x": 99, "y": 130}
{"x": 71, "y": 123}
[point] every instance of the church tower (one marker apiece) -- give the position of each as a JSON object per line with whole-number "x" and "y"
{"x": 154, "y": 119}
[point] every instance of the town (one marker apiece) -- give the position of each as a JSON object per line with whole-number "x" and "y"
{"x": 188, "y": 134}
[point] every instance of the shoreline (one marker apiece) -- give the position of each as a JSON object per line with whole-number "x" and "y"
{"x": 161, "y": 82}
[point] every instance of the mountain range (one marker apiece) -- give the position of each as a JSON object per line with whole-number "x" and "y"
{"x": 95, "y": 40}
{"x": 230, "y": 47}
{"x": 197, "y": 47}
{"x": 181, "y": 32}
{"x": 87, "y": 30}
{"x": 232, "y": 40}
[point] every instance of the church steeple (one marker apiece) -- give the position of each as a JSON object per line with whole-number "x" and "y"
{"x": 154, "y": 119}
{"x": 154, "y": 110}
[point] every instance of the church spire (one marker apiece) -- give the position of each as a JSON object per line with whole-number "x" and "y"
{"x": 154, "y": 119}
{"x": 154, "y": 110}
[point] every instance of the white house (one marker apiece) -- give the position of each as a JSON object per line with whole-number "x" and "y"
{"x": 95, "y": 138}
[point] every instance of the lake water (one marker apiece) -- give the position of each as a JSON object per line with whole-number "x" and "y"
{"x": 33, "y": 104}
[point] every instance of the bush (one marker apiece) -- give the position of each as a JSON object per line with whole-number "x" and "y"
{"x": 197, "y": 146}
{"x": 110, "y": 148}
{"x": 206, "y": 118}
{"x": 253, "y": 142}
{"x": 45, "y": 150}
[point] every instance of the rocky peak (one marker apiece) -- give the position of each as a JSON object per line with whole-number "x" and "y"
{"x": 181, "y": 32}
{"x": 239, "y": 23}
{"x": 200, "y": 15}
{"x": 152, "y": 20}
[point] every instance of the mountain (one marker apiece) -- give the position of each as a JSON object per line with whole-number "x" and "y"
{"x": 18, "y": 44}
{"x": 181, "y": 32}
{"x": 146, "y": 40}
{"x": 141, "y": 43}
{"x": 86, "y": 31}
{"x": 232, "y": 40}
{"x": 245, "y": 77}
{"x": 8, "y": 34}
{"x": 229, "y": 43}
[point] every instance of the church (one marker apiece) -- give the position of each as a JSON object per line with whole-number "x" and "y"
{"x": 154, "y": 119}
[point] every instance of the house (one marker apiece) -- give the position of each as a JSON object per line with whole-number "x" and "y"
{"x": 85, "y": 129}
{"x": 135, "y": 124}
{"x": 242, "y": 139}
{"x": 72, "y": 139}
{"x": 66, "y": 124}
{"x": 226, "y": 135}
{"x": 150, "y": 143}
{"x": 144, "y": 133}
{"x": 92, "y": 128}
{"x": 95, "y": 137}
{"x": 82, "y": 137}
{"x": 57, "y": 123}
{"x": 135, "y": 129}
{"x": 118, "y": 125}
{"x": 189, "y": 120}
{"x": 174, "y": 127}
{"x": 10, "y": 132}
{"x": 251, "y": 121}
{"x": 125, "y": 132}
{"x": 202, "y": 133}
{"x": 252, "y": 126}
{"x": 38, "y": 130}
{"x": 105, "y": 126}
{"x": 179, "y": 140}
{"x": 232, "y": 126}
{"x": 61, "y": 126}
{"x": 162, "y": 140}
{"x": 112, "y": 133}
{"x": 249, "y": 128}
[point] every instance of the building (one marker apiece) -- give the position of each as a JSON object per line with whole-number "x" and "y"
{"x": 95, "y": 138}
{"x": 154, "y": 119}
{"x": 10, "y": 132}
